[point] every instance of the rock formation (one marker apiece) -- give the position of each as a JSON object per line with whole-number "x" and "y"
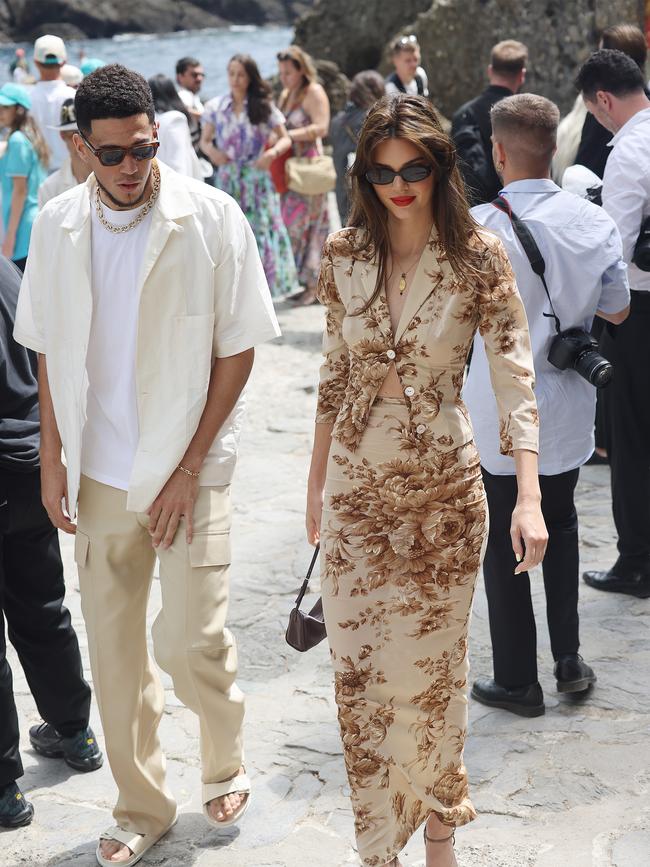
{"x": 27, "y": 19}
{"x": 456, "y": 37}
{"x": 354, "y": 34}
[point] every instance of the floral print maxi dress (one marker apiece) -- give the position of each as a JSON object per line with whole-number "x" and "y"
{"x": 253, "y": 188}
{"x": 404, "y": 524}
{"x": 306, "y": 217}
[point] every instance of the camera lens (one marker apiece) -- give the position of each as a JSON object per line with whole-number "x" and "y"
{"x": 595, "y": 369}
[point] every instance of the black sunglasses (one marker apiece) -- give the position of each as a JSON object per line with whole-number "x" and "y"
{"x": 409, "y": 174}
{"x": 110, "y": 156}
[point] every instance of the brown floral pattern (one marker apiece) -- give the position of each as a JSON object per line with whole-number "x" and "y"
{"x": 442, "y": 315}
{"x": 402, "y": 536}
{"x": 404, "y": 522}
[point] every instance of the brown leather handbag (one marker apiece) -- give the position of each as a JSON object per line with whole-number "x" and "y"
{"x": 306, "y": 630}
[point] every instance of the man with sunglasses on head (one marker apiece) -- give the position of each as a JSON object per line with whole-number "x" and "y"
{"x": 144, "y": 297}
{"x": 409, "y": 77}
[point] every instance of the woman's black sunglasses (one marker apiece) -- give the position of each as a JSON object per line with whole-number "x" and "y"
{"x": 409, "y": 174}
{"x": 110, "y": 156}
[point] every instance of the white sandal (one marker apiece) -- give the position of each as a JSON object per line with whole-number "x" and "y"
{"x": 139, "y": 844}
{"x": 239, "y": 785}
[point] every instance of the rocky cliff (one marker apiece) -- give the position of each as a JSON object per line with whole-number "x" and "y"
{"x": 27, "y": 19}
{"x": 456, "y": 37}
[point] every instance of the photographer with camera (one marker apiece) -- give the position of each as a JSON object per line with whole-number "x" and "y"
{"x": 567, "y": 257}
{"x": 612, "y": 87}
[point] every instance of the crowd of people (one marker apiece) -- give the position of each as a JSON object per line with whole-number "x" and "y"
{"x": 464, "y": 284}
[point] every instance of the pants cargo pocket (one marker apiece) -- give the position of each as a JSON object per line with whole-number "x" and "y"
{"x": 210, "y": 549}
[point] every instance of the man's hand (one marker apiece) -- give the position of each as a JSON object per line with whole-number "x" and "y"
{"x": 175, "y": 501}
{"x": 54, "y": 490}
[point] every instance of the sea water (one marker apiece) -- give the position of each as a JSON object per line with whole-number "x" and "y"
{"x": 150, "y": 54}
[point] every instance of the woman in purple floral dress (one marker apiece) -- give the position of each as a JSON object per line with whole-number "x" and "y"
{"x": 307, "y": 110}
{"x": 235, "y": 132}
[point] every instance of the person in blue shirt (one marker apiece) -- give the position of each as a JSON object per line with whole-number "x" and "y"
{"x": 586, "y": 277}
{"x": 23, "y": 168}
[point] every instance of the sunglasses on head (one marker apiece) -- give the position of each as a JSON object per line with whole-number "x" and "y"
{"x": 112, "y": 156}
{"x": 409, "y": 174}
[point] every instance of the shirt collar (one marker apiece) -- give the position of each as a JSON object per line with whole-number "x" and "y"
{"x": 173, "y": 202}
{"x": 639, "y": 117}
{"x": 532, "y": 185}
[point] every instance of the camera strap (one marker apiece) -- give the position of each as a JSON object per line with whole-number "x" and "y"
{"x": 531, "y": 250}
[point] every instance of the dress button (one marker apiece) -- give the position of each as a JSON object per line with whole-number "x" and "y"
{"x": 421, "y": 428}
{"x": 409, "y": 391}
{"x": 391, "y": 354}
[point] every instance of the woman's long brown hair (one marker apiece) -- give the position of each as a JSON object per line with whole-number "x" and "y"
{"x": 24, "y": 122}
{"x": 414, "y": 119}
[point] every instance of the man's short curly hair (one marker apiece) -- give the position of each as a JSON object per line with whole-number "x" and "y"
{"x": 112, "y": 91}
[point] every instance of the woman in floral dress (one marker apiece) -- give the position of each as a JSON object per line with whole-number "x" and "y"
{"x": 235, "y": 131}
{"x": 395, "y": 492}
{"x": 307, "y": 110}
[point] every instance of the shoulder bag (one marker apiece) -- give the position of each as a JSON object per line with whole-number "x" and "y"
{"x": 306, "y": 630}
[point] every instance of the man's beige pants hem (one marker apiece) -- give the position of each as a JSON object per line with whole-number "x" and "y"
{"x": 116, "y": 560}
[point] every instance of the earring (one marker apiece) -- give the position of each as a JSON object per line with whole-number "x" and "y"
{"x": 500, "y": 166}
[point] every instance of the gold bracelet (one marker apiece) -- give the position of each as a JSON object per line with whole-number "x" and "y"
{"x": 188, "y": 472}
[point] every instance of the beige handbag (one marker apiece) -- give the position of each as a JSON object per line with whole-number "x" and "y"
{"x": 310, "y": 176}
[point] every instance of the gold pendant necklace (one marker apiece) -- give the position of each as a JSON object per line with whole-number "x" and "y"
{"x": 402, "y": 283}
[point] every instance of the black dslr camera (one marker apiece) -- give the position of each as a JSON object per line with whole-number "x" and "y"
{"x": 578, "y": 350}
{"x": 641, "y": 257}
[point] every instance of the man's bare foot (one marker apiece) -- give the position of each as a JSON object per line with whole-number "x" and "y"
{"x": 222, "y": 809}
{"x": 115, "y": 851}
{"x": 440, "y": 845}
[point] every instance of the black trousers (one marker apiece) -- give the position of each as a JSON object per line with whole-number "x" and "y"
{"x": 39, "y": 627}
{"x": 510, "y": 607}
{"x": 627, "y": 407}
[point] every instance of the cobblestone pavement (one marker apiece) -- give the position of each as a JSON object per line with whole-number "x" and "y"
{"x": 569, "y": 789}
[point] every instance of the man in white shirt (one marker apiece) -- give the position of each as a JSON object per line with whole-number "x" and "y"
{"x": 74, "y": 170}
{"x": 612, "y": 86}
{"x": 189, "y": 80}
{"x": 145, "y": 296}
{"x": 49, "y": 93}
{"x": 409, "y": 77}
{"x": 585, "y": 276}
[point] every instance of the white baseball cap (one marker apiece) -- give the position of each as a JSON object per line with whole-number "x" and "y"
{"x": 50, "y": 50}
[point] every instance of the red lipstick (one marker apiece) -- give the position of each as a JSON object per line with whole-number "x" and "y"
{"x": 402, "y": 201}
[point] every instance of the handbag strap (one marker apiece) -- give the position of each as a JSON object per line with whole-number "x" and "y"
{"x": 305, "y": 583}
{"x": 531, "y": 250}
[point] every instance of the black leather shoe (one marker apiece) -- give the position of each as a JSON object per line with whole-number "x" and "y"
{"x": 14, "y": 809}
{"x": 636, "y": 582}
{"x": 524, "y": 701}
{"x": 80, "y": 751}
{"x": 573, "y": 674}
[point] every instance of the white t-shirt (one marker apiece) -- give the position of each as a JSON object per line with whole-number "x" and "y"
{"x": 111, "y": 432}
{"x": 47, "y": 98}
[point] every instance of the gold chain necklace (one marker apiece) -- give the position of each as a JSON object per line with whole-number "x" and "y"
{"x": 402, "y": 279}
{"x": 118, "y": 230}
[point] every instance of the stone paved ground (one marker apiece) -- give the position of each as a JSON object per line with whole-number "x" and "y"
{"x": 569, "y": 789}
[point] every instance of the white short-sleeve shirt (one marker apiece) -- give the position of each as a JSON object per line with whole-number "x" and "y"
{"x": 202, "y": 294}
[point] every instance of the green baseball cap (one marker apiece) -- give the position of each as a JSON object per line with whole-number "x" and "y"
{"x": 14, "y": 94}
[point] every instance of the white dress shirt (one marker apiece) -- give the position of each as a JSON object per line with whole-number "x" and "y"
{"x": 176, "y": 149}
{"x": 626, "y": 188}
{"x": 202, "y": 295}
{"x": 581, "y": 247}
{"x": 58, "y": 182}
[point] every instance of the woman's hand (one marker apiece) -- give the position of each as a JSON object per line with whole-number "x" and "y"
{"x": 218, "y": 157}
{"x": 264, "y": 161}
{"x": 314, "y": 513}
{"x": 529, "y": 534}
